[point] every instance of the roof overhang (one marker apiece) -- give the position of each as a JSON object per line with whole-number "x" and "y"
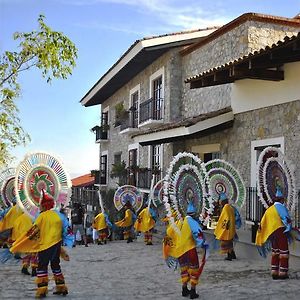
{"x": 264, "y": 64}
{"x": 140, "y": 55}
{"x": 198, "y": 129}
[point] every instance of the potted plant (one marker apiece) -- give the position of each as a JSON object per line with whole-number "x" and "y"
{"x": 121, "y": 114}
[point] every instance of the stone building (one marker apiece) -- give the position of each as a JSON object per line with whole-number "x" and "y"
{"x": 228, "y": 94}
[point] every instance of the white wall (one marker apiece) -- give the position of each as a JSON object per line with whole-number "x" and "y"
{"x": 249, "y": 94}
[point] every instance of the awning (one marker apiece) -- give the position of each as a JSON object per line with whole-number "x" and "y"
{"x": 189, "y": 128}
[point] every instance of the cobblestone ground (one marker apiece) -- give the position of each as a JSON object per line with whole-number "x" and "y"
{"x": 135, "y": 271}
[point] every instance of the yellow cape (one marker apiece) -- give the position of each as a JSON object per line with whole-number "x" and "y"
{"x": 127, "y": 221}
{"x": 144, "y": 221}
{"x": 270, "y": 222}
{"x": 22, "y": 224}
{"x": 9, "y": 219}
{"x": 176, "y": 244}
{"x": 45, "y": 232}
{"x": 99, "y": 222}
{"x": 225, "y": 229}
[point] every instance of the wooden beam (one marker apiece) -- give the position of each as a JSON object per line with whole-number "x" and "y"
{"x": 261, "y": 74}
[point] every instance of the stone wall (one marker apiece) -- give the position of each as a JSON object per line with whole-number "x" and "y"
{"x": 240, "y": 41}
{"x": 117, "y": 143}
{"x": 271, "y": 122}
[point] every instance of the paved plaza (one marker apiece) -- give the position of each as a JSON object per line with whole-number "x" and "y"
{"x": 121, "y": 271}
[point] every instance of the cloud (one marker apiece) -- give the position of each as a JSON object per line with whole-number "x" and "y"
{"x": 170, "y": 14}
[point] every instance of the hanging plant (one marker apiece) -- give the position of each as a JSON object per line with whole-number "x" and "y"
{"x": 120, "y": 114}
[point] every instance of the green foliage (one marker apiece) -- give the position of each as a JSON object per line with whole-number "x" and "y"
{"x": 118, "y": 170}
{"x": 49, "y": 51}
{"x": 120, "y": 113}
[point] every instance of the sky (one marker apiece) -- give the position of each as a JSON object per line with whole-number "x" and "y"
{"x": 102, "y": 31}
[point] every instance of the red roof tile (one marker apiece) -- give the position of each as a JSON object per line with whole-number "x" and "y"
{"x": 84, "y": 180}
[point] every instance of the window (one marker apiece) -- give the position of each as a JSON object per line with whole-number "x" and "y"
{"x": 117, "y": 158}
{"x": 132, "y": 158}
{"x": 134, "y": 109}
{"x": 155, "y": 157}
{"x": 207, "y": 152}
{"x": 211, "y": 156}
{"x": 103, "y": 169}
{"x": 104, "y": 118}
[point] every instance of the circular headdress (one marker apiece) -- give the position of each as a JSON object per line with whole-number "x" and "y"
{"x": 185, "y": 183}
{"x": 41, "y": 171}
{"x": 128, "y": 193}
{"x": 224, "y": 178}
{"x": 157, "y": 193}
{"x": 7, "y": 189}
{"x": 273, "y": 173}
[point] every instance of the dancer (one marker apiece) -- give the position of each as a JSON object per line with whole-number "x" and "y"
{"x": 45, "y": 237}
{"x": 22, "y": 224}
{"x": 275, "y": 227}
{"x": 145, "y": 223}
{"x": 225, "y": 231}
{"x": 127, "y": 222}
{"x": 101, "y": 223}
{"x": 77, "y": 218}
{"x": 182, "y": 246}
{"x": 8, "y": 221}
{"x": 276, "y": 189}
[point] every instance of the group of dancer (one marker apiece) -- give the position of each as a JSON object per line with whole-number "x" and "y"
{"x": 32, "y": 224}
{"x": 190, "y": 196}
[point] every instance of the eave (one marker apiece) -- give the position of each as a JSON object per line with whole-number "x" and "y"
{"x": 140, "y": 55}
{"x": 265, "y": 64}
{"x": 188, "y": 129}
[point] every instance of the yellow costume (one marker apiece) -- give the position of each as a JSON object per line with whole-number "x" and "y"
{"x": 270, "y": 222}
{"x": 9, "y": 219}
{"x": 225, "y": 229}
{"x": 21, "y": 225}
{"x": 101, "y": 224}
{"x": 144, "y": 221}
{"x": 40, "y": 236}
{"x": 127, "y": 223}
{"x": 127, "y": 220}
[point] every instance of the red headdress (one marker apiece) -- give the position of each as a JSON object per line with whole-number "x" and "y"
{"x": 46, "y": 200}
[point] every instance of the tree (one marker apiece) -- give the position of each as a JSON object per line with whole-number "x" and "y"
{"x": 53, "y": 54}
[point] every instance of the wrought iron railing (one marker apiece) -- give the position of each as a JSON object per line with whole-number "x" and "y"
{"x": 130, "y": 122}
{"x": 255, "y": 209}
{"x": 101, "y": 134}
{"x": 151, "y": 109}
{"x": 141, "y": 177}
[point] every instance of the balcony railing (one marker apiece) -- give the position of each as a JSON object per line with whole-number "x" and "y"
{"x": 101, "y": 133}
{"x": 100, "y": 177}
{"x": 151, "y": 109}
{"x": 130, "y": 122}
{"x": 254, "y": 208}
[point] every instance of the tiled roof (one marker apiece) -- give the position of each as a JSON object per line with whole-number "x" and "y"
{"x": 187, "y": 121}
{"x": 238, "y": 21}
{"x": 245, "y": 57}
{"x": 84, "y": 180}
